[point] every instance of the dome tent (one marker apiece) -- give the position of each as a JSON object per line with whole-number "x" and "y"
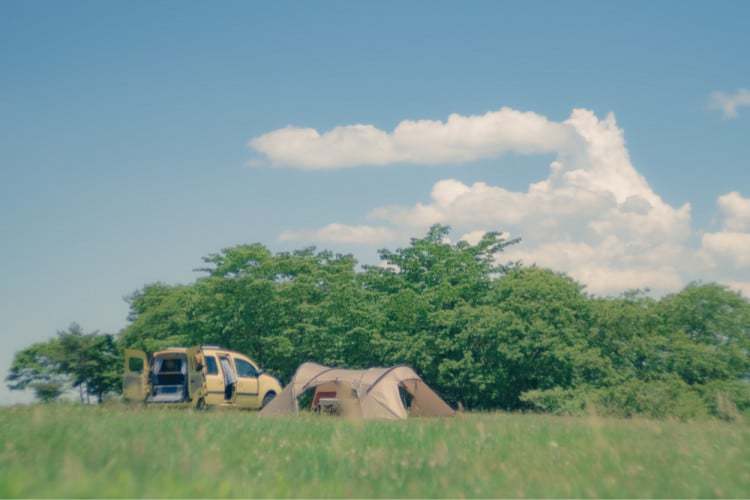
{"x": 371, "y": 393}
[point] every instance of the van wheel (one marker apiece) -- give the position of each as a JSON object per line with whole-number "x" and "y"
{"x": 268, "y": 398}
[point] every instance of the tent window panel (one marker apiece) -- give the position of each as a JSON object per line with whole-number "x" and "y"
{"x": 305, "y": 400}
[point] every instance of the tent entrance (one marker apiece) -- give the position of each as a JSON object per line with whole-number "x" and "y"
{"x": 335, "y": 398}
{"x": 407, "y": 398}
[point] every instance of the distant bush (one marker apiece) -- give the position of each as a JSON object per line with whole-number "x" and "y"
{"x": 670, "y": 397}
{"x": 726, "y": 399}
{"x": 559, "y": 401}
{"x": 658, "y": 399}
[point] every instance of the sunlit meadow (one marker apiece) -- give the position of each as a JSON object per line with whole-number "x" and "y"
{"x": 65, "y": 450}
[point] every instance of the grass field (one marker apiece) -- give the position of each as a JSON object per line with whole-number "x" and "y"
{"x": 104, "y": 452}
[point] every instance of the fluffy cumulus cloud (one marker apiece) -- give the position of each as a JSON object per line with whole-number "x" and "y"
{"x": 736, "y": 211}
{"x": 729, "y": 248}
{"x": 729, "y": 103}
{"x": 343, "y": 234}
{"x": 594, "y": 216}
{"x": 459, "y": 139}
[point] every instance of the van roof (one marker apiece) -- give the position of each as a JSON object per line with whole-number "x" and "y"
{"x": 172, "y": 350}
{"x": 205, "y": 348}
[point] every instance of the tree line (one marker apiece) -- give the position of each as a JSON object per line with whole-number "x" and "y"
{"x": 485, "y": 335}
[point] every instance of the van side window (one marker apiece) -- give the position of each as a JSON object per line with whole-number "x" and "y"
{"x": 211, "y": 368}
{"x": 135, "y": 365}
{"x": 245, "y": 369}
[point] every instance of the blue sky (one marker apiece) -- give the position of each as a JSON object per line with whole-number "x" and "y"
{"x": 125, "y": 129}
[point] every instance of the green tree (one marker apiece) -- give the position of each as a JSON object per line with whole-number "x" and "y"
{"x": 92, "y": 361}
{"x": 158, "y": 317}
{"x": 439, "y": 316}
{"x": 285, "y": 308}
{"x": 709, "y": 328}
{"x": 46, "y": 392}
{"x": 545, "y": 340}
{"x": 37, "y": 368}
{"x": 88, "y": 361}
{"x": 627, "y": 330}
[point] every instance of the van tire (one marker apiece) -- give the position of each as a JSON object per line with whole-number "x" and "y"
{"x": 268, "y": 398}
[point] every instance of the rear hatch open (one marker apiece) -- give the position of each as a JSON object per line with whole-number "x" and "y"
{"x": 169, "y": 378}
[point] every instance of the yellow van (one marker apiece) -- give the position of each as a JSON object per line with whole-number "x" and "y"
{"x": 206, "y": 376}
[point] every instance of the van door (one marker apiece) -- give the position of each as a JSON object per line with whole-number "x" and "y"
{"x": 135, "y": 385}
{"x": 214, "y": 380}
{"x": 195, "y": 379}
{"x": 230, "y": 379}
{"x": 247, "y": 383}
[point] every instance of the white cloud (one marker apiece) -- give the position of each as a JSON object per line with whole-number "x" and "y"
{"x": 594, "y": 216}
{"x": 473, "y": 237}
{"x": 606, "y": 268}
{"x": 736, "y": 211}
{"x": 741, "y": 286}
{"x": 342, "y": 233}
{"x": 459, "y": 139}
{"x": 611, "y": 281}
{"x": 728, "y": 247}
{"x": 729, "y": 103}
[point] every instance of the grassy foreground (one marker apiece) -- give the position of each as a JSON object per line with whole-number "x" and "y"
{"x": 104, "y": 452}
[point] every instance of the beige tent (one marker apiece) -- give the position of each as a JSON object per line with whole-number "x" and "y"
{"x": 371, "y": 393}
